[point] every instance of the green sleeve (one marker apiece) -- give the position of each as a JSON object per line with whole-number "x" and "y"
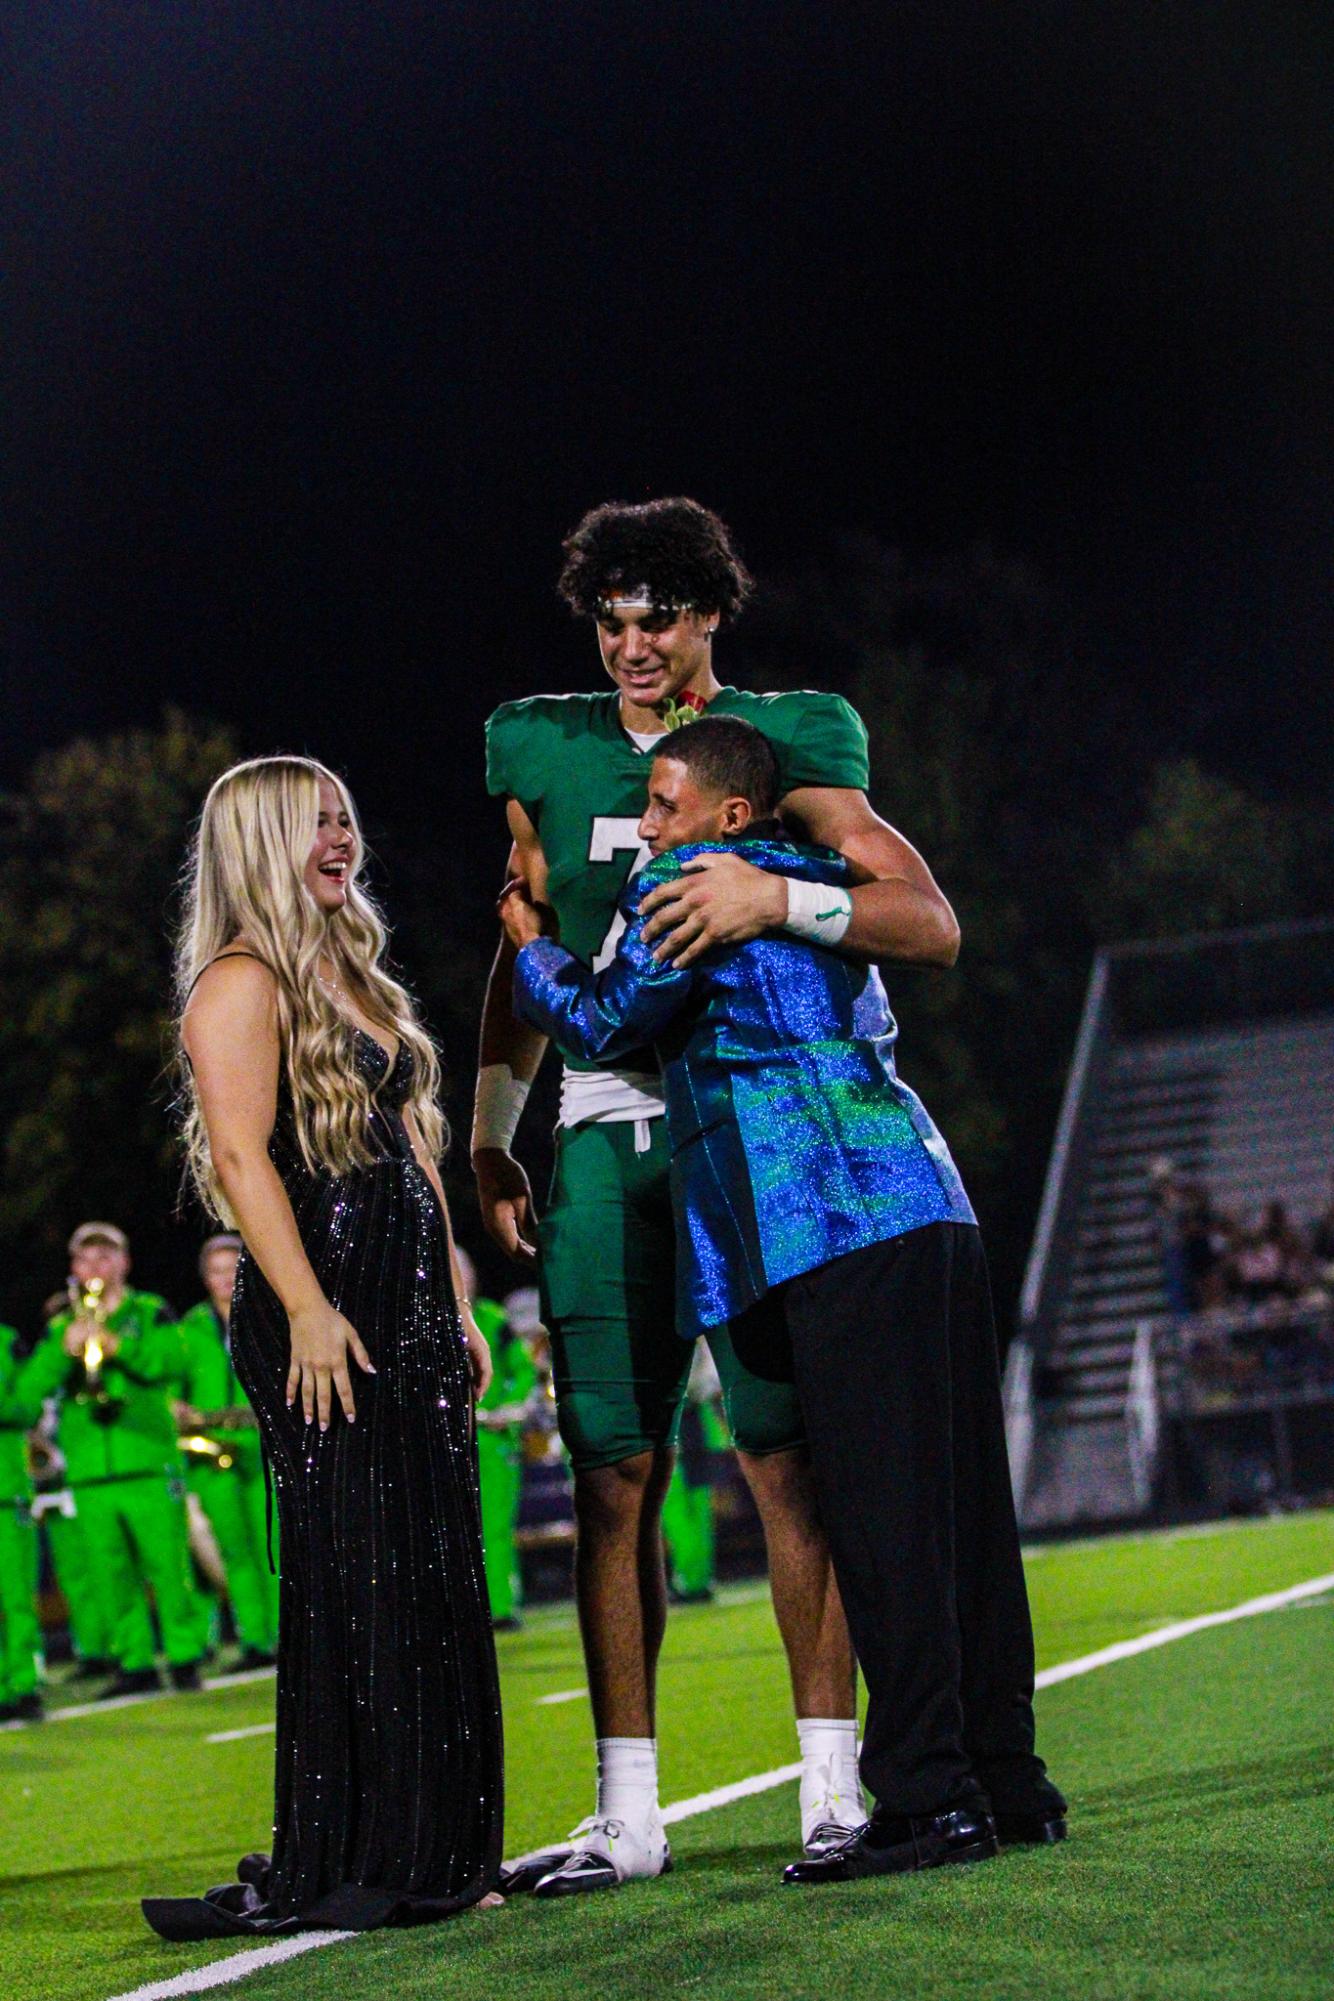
{"x": 508, "y": 732}
{"x": 193, "y": 1357}
{"x": 489, "y": 1315}
{"x": 47, "y": 1369}
{"x": 153, "y": 1351}
{"x": 17, "y": 1410}
{"x": 828, "y": 746}
{"x": 519, "y": 1371}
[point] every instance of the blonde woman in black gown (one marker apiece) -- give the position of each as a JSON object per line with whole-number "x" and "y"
{"x": 312, "y": 1127}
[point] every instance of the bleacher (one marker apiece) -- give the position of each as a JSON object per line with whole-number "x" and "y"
{"x": 1214, "y": 1052}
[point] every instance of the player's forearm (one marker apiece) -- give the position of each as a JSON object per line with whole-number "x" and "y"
{"x": 258, "y": 1200}
{"x": 896, "y": 920}
{"x": 505, "y": 1038}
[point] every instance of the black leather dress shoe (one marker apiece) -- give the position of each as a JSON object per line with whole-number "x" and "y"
{"x": 1037, "y": 1830}
{"x": 894, "y": 1844}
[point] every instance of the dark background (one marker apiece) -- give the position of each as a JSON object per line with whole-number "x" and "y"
{"x": 325, "y": 324}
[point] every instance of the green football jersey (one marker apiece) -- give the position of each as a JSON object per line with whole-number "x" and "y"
{"x": 583, "y": 783}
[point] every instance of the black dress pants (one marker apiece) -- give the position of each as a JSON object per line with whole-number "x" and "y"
{"x": 893, "y": 1352}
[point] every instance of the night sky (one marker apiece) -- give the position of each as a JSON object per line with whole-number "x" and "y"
{"x": 325, "y": 324}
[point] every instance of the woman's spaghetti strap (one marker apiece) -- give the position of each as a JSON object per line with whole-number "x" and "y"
{"x": 214, "y": 961}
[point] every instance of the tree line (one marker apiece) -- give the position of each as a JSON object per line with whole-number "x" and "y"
{"x": 1001, "y": 743}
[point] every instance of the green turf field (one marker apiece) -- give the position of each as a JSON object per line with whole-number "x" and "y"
{"x": 1199, "y": 1861}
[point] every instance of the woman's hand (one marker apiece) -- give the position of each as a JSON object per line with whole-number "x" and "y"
{"x": 479, "y": 1353}
{"x": 321, "y": 1342}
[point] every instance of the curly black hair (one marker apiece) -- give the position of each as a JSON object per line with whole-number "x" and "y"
{"x": 679, "y": 550}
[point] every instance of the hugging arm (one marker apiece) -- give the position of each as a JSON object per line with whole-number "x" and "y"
{"x": 599, "y": 1016}
{"x": 898, "y": 911}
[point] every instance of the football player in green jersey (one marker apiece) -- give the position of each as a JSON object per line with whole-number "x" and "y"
{"x": 658, "y": 580}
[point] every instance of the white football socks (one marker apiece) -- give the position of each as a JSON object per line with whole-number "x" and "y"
{"x": 830, "y": 1788}
{"x": 628, "y": 1780}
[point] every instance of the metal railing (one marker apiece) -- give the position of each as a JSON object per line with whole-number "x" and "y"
{"x": 1143, "y": 1418}
{"x": 1020, "y": 1418}
{"x": 1059, "y": 1190}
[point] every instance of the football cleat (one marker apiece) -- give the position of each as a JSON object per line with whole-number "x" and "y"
{"x": 518, "y": 1877}
{"x": 606, "y": 1853}
{"x": 832, "y": 1807}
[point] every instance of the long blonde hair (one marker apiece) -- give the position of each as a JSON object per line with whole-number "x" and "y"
{"x": 246, "y": 886}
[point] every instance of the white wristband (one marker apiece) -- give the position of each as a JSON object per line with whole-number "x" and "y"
{"x": 817, "y": 911}
{"x": 501, "y": 1097}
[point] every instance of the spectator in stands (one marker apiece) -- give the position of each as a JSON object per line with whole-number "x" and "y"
{"x": 1168, "y": 1195}
{"x": 1205, "y": 1235}
{"x": 1322, "y": 1243}
{"x": 1269, "y": 1264}
{"x": 1195, "y": 1239}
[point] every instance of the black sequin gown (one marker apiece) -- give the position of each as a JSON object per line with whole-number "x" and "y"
{"x": 389, "y": 1770}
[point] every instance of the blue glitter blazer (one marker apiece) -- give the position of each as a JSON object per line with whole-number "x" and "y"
{"x": 792, "y": 1138}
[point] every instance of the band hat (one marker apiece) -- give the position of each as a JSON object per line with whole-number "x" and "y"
{"x": 98, "y": 1233}
{"x": 523, "y": 1310}
{"x": 225, "y": 1240}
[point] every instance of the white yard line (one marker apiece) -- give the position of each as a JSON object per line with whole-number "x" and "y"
{"x": 223, "y": 1972}
{"x": 74, "y": 1710}
{"x": 561, "y": 1695}
{"x": 1124, "y": 1650}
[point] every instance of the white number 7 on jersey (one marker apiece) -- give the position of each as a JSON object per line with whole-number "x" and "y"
{"x": 612, "y": 837}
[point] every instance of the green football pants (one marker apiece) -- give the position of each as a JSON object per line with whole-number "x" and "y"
{"x": 500, "y": 1471}
{"x": 92, "y": 1614}
{"x": 20, "y": 1635}
{"x": 608, "y": 1288}
{"x": 233, "y": 1500}
{"x": 137, "y": 1538}
{"x": 687, "y": 1527}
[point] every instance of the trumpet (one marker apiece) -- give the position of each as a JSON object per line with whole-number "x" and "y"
{"x": 88, "y": 1302}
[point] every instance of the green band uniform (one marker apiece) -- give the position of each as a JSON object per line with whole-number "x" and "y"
{"x": 91, "y": 1620}
{"x": 687, "y": 1510}
{"x": 608, "y": 1257}
{"x": 124, "y": 1471}
{"x": 500, "y": 1457}
{"x": 20, "y": 1635}
{"x": 230, "y": 1487}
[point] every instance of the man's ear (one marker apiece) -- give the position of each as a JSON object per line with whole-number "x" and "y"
{"x": 737, "y": 815}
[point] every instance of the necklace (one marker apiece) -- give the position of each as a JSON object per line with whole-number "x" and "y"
{"x": 333, "y": 988}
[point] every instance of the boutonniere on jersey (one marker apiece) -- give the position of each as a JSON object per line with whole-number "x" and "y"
{"x": 683, "y": 708}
